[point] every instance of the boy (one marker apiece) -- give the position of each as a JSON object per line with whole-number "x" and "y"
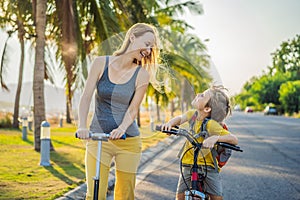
{"x": 213, "y": 103}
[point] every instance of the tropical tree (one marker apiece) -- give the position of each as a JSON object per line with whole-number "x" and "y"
{"x": 96, "y": 21}
{"x": 39, "y": 70}
{"x": 78, "y": 27}
{"x": 16, "y": 16}
{"x": 3, "y": 61}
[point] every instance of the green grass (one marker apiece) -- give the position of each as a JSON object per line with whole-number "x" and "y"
{"x": 21, "y": 176}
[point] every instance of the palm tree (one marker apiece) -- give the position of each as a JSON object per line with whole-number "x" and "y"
{"x": 39, "y": 70}
{"x": 163, "y": 14}
{"x": 68, "y": 46}
{"x": 17, "y": 16}
{"x": 2, "y": 64}
{"x": 79, "y": 27}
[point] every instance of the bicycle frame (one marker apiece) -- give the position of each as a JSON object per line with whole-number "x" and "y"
{"x": 196, "y": 190}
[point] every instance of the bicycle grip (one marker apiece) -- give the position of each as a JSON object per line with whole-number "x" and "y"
{"x": 230, "y": 146}
{"x": 158, "y": 128}
{"x": 172, "y": 131}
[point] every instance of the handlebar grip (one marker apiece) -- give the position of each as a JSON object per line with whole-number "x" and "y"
{"x": 172, "y": 131}
{"x": 230, "y": 146}
{"x": 158, "y": 128}
{"x": 123, "y": 137}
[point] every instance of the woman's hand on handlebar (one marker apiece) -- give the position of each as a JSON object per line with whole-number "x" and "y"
{"x": 83, "y": 133}
{"x": 116, "y": 133}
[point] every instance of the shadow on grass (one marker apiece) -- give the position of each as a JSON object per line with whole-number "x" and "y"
{"x": 67, "y": 166}
{"x": 28, "y": 142}
{"x": 59, "y": 175}
{"x": 67, "y": 144}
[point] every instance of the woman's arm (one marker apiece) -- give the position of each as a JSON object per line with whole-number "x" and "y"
{"x": 131, "y": 113}
{"x": 85, "y": 100}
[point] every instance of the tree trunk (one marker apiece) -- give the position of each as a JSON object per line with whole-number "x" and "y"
{"x": 157, "y": 112}
{"x": 68, "y": 111}
{"x": 21, "y": 33}
{"x": 182, "y": 103}
{"x": 172, "y": 108}
{"x": 139, "y": 118}
{"x": 68, "y": 47}
{"x": 39, "y": 72}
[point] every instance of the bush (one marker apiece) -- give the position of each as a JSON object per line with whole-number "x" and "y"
{"x": 5, "y": 120}
{"x": 290, "y": 96}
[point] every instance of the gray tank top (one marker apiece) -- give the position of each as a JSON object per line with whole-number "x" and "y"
{"x": 111, "y": 103}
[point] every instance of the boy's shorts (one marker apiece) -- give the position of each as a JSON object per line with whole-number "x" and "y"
{"x": 212, "y": 182}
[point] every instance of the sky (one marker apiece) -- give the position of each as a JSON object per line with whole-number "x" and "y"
{"x": 242, "y": 35}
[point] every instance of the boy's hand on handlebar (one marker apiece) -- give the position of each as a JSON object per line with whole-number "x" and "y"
{"x": 210, "y": 141}
{"x": 83, "y": 133}
{"x": 116, "y": 133}
{"x": 166, "y": 127}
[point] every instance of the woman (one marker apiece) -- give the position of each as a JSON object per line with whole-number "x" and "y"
{"x": 120, "y": 81}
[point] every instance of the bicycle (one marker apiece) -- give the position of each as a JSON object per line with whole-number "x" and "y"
{"x": 196, "y": 190}
{"x": 99, "y": 137}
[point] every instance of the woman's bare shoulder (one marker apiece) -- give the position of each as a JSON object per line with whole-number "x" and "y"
{"x": 143, "y": 74}
{"x": 98, "y": 64}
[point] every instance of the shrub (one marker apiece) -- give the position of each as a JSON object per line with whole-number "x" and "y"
{"x": 5, "y": 120}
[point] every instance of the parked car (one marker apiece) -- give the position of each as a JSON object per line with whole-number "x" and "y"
{"x": 237, "y": 107}
{"x": 270, "y": 110}
{"x": 248, "y": 109}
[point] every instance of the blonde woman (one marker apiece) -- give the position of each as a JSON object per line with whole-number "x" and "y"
{"x": 120, "y": 82}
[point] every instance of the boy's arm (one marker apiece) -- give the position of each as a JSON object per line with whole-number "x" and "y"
{"x": 229, "y": 138}
{"x": 211, "y": 141}
{"x": 174, "y": 122}
{"x": 218, "y": 134}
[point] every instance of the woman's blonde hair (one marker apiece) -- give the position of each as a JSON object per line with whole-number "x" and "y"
{"x": 219, "y": 103}
{"x": 150, "y": 63}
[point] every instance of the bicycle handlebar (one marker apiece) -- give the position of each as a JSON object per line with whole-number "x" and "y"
{"x": 182, "y": 132}
{"x": 177, "y": 131}
{"x": 101, "y": 136}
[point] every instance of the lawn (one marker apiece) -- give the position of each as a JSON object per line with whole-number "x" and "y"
{"x": 22, "y": 177}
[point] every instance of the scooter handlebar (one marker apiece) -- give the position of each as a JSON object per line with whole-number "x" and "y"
{"x": 101, "y": 136}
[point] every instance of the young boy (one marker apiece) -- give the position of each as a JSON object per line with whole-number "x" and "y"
{"x": 213, "y": 103}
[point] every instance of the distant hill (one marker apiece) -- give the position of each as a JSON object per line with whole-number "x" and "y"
{"x": 55, "y": 100}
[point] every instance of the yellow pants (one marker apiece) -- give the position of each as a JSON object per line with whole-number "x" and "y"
{"x": 127, "y": 154}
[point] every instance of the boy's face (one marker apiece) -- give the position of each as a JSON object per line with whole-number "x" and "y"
{"x": 201, "y": 100}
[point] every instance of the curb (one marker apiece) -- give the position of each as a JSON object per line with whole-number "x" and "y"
{"x": 148, "y": 155}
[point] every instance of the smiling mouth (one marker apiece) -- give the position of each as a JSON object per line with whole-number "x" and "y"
{"x": 143, "y": 55}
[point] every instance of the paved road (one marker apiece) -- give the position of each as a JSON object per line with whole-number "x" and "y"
{"x": 267, "y": 169}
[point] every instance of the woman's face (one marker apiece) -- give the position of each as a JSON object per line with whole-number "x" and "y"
{"x": 142, "y": 46}
{"x": 201, "y": 100}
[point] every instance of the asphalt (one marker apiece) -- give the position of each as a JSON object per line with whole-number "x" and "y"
{"x": 147, "y": 157}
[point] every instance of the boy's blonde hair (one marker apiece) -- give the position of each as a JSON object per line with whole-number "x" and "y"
{"x": 150, "y": 63}
{"x": 219, "y": 103}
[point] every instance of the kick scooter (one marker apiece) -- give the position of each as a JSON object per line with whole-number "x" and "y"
{"x": 99, "y": 137}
